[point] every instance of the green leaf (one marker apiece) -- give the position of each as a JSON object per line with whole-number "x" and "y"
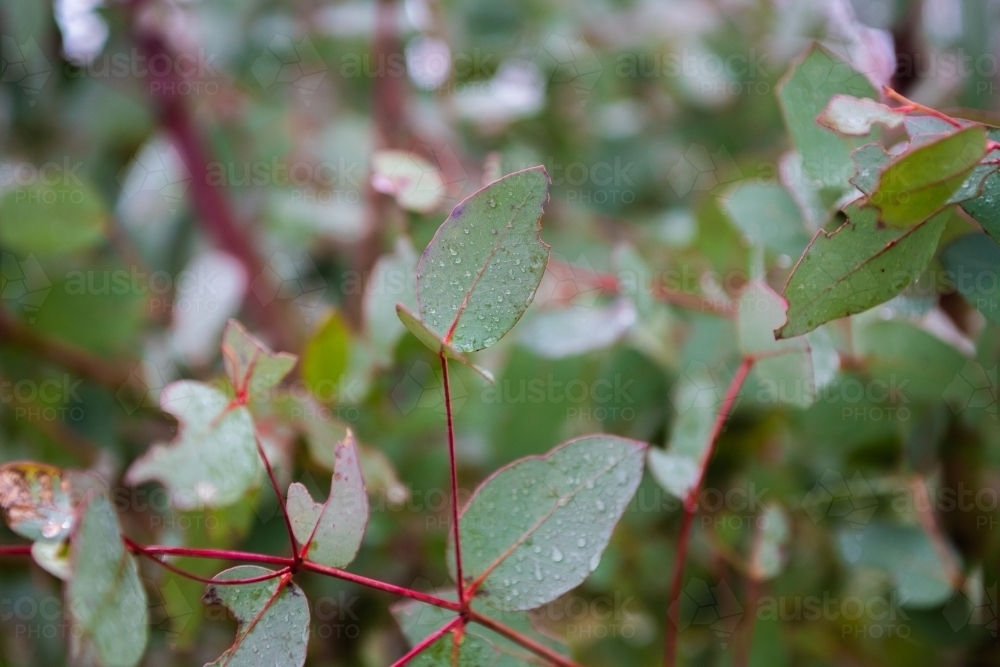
{"x": 251, "y": 366}
{"x": 325, "y": 358}
{"x": 213, "y": 461}
{"x": 973, "y": 262}
{"x": 768, "y": 557}
{"x": 106, "y": 600}
{"x": 273, "y": 618}
{"x": 480, "y": 271}
{"x": 905, "y": 554}
{"x": 480, "y": 645}
{"x": 54, "y": 558}
{"x": 537, "y": 528}
{"x": 869, "y": 161}
{"x": 984, "y": 209}
{"x": 392, "y": 281}
{"x": 804, "y": 94}
{"x": 51, "y": 219}
{"x": 429, "y": 338}
{"x": 854, "y": 117}
{"x": 917, "y": 184}
{"x": 698, "y": 395}
{"x": 767, "y": 214}
{"x": 858, "y": 266}
{"x": 330, "y": 534}
{"x": 784, "y": 367}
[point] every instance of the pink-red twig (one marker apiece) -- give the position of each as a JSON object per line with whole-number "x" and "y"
{"x": 452, "y": 462}
{"x": 381, "y": 585}
{"x": 281, "y": 503}
{"x": 428, "y": 640}
{"x": 691, "y": 508}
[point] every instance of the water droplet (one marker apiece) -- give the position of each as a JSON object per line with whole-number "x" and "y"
{"x": 557, "y": 555}
{"x": 582, "y": 542}
{"x": 492, "y": 203}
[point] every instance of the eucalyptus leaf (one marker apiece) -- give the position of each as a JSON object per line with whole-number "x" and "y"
{"x": 854, "y": 117}
{"x": 480, "y": 271}
{"x": 331, "y": 534}
{"x": 914, "y": 186}
{"x": 251, "y": 366}
{"x": 106, "y": 599}
{"x": 213, "y": 461}
{"x": 51, "y": 219}
{"x": 272, "y": 617}
{"x": 858, "y": 266}
{"x": 325, "y": 358}
{"x": 537, "y": 528}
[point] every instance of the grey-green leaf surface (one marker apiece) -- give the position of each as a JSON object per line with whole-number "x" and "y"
{"x": 826, "y": 155}
{"x": 767, "y": 214}
{"x": 430, "y": 338}
{"x": 537, "y": 528}
{"x": 106, "y": 600}
{"x": 869, "y": 161}
{"x": 330, "y": 534}
{"x": 858, "y": 266}
{"x": 251, "y": 365}
{"x": 973, "y": 264}
{"x": 213, "y": 460}
{"x": 917, "y": 184}
{"x": 273, "y": 619}
{"x": 480, "y": 271}
{"x": 51, "y": 219}
{"x": 904, "y": 553}
{"x": 985, "y": 208}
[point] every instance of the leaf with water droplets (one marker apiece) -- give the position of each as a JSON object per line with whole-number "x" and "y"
{"x": 330, "y": 534}
{"x": 860, "y": 265}
{"x": 537, "y": 528}
{"x": 213, "y": 460}
{"x": 479, "y": 645}
{"x": 480, "y": 271}
{"x": 251, "y": 365}
{"x": 106, "y": 600}
{"x": 273, "y": 618}
{"x": 37, "y": 500}
{"x": 429, "y": 338}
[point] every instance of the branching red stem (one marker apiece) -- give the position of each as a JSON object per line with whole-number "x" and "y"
{"x": 527, "y": 642}
{"x": 382, "y": 586}
{"x": 691, "y": 508}
{"x": 459, "y": 579}
{"x": 428, "y": 640}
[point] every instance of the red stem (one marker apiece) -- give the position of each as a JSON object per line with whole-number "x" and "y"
{"x": 281, "y": 503}
{"x": 460, "y": 580}
{"x": 691, "y": 508}
{"x": 382, "y": 586}
{"x": 527, "y": 642}
{"x": 428, "y": 640}
{"x": 15, "y": 550}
